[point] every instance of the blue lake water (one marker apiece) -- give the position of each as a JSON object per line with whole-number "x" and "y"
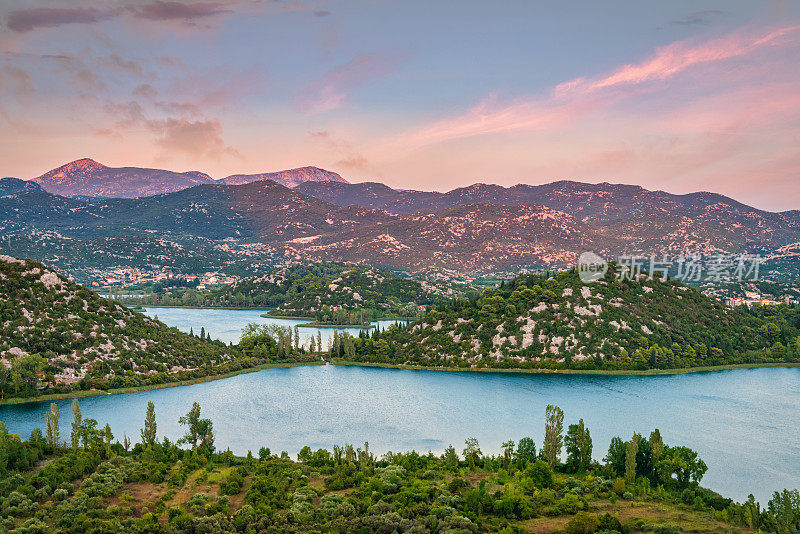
{"x": 227, "y": 325}
{"x": 744, "y": 423}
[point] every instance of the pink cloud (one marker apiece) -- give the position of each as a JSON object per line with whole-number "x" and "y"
{"x": 581, "y": 96}
{"x": 331, "y": 91}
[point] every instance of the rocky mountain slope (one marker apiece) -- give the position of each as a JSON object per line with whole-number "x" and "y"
{"x": 560, "y": 322}
{"x": 653, "y": 220}
{"x": 89, "y": 178}
{"x": 9, "y": 186}
{"x": 467, "y": 238}
{"x": 288, "y": 178}
{"x": 56, "y": 335}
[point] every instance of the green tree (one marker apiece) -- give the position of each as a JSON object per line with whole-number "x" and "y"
{"x": 199, "y": 432}
{"x": 450, "y": 458}
{"x": 508, "y": 452}
{"x": 472, "y": 451}
{"x": 682, "y": 466}
{"x": 615, "y": 458}
{"x": 526, "y": 452}
{"x": 75, "y": 436}
{"x": 631, "y": 449}
{"x": 578, "y": 443}
{"x": 553, "y": 439}
{"x": 150, "y": 426}
{"x": 656, "y": 449}
{"x": 52, "y": 418}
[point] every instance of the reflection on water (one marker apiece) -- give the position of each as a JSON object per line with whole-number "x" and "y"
{"x": 227, "y": 325}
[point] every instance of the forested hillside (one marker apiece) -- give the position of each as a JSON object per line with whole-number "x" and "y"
{"x": 560, "y": 322}
{"x": 57, "y": 336}
{"x": 327, "y": 292}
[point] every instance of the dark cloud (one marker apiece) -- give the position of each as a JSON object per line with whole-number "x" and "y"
{"x": 200, "y": 138}
{"x": 184, "y": 109}
{"x": 699, "y": 18}
{"x": 126, "y": 65}
{"x": 322, "y": 13}
{"x": 145, "y": 91}
{"x": 90, "y": 80}
{"x": 20, "y": 82}
{"x": 23, "y": 20}
{"x": 355, "y": 162}
{"x": 160, "y": 10}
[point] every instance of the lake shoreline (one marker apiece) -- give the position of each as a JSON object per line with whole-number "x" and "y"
{"x": 212, "y": 378}
{"x": 80, "y": 394}
{"x": 607, "y": 372}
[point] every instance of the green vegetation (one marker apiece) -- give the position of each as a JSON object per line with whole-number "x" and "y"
{"x": 95, "y": 483}
{"x": 57, "y": 337}
{"x": 328, "y": 293}
{"x": 559, "y": 323}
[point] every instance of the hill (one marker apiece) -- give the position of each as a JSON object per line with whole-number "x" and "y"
{"x": 652, "y": 220}
{"x": 57, "y": 336}
{"x": 560, "y": 323}
{"x": 266, "y": 217}
{"x": 89, "y": 178}
{"x": 326, "y": 292}
{"x": 9, "y": 186}
{"x": 288, "y": 178}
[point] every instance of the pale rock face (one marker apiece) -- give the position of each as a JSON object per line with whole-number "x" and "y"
{"x": 9, "y": 259}
{"x": 16, "y": 352}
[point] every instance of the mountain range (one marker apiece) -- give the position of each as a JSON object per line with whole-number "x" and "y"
{"x": 474, "y": 229}
{"x": 88, "y": 178}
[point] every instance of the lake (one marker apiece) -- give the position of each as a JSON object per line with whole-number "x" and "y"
{"x": 742, "y": 422}
{"x": 227, "y": 325}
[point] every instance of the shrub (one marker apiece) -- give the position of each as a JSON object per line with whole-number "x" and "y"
{"x": 540, "y": 473}
{"x": 583, "y": 523}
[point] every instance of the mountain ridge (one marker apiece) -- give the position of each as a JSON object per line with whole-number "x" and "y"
{"x": 86, "y": 177}
{"x": 472, "y": 234}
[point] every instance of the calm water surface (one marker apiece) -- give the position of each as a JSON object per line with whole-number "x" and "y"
{"x": 744, "y": 423}
{"x": 227, "y": 325}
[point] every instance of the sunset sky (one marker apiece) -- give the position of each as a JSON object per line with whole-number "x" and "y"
{"x": 679, "y": 96}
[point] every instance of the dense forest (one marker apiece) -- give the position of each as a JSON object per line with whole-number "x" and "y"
{"x": 558, "y": 322}
{"x": 86, "y": 480}
{"x": 59, "y": 337}
{"x": 329, "y": 293}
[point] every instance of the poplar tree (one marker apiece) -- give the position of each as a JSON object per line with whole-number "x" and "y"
{"x": 52, "y": 418}
{"x": 149, "y": 430}
{"x": 656, "y": 449}
{"x": 76, "y": 424}
{"x": 553, "y": 429}
{"x": 631, "y": 450}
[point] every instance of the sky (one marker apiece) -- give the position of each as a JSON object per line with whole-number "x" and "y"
{"x": 677, "y": 96}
